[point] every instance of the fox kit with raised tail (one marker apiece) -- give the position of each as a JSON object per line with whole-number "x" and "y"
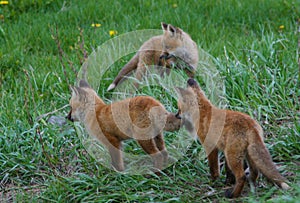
{"x": 236, "y": 134}
{"x": 174, "y": 48}
{"x": 142, "y": 118}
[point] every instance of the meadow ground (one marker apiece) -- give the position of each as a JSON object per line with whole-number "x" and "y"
{"x": 253, "y": 45}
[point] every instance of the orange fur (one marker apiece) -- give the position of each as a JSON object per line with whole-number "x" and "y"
{"x": 236, "y": 134}
{"x": 173, "y": 48}
{"x": 142, "y": 118}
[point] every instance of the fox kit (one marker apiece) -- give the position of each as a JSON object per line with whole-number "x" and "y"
{"x": 142, "y": 118}
{"x": 236, "y": 134}
{"x": 174, "y": 47}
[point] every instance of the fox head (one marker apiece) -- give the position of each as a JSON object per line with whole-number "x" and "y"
{"x": 172, "y": 40}
{"x": 81, "y": 101}
{"x": 188, "y": 105}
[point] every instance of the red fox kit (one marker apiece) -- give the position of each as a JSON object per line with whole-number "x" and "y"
{"x": 142, "y": 118}
{"x": 236, "y": 134}
{"x": 173, "y": 48}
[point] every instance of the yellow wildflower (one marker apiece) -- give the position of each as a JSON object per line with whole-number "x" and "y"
{"x": 112, "y": 33}
{"x": 174, "y": 5}
{"x": 3, "y": 2}
{"x": 281, "y": 27}
{"x": 96, "y": 25}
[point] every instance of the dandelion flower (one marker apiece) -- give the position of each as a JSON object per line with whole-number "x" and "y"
{"x": 112, "y": 33}
{"x": 3, "y": 2}
{"x": 281, "y": 27}
{"x": 96, "y": 25}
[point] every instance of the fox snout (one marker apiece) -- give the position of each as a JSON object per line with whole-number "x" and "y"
{"x": 192, "y": 83}
{"x": 69, "y": 116}
{"x": 166, "y": 56}
{"x": 178, "y": 115}
{"x": 163, "y": 55}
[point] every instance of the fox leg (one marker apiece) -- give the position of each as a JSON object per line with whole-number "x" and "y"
{"x": 230, "y": 179}
{"x": 150, "y": 148}
{"x": 160, "y": 144}
{"x": 213, "y": 162}
{"x": 147, "y": 58}
{"x": 140, "y": 73}
{"x": 253, "y": 173}
{"x": 235, "y": 162}
{"x": 178, "y": 63}
{"x": 115, "y": 151}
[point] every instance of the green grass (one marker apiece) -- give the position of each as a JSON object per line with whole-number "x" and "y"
{"x": 41, "y": 162}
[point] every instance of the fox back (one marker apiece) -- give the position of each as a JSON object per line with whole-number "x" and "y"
{"x": 142, "y": 118}
{"x": 178, "y": 44}
{"x": 174, "y": 48}
{"x": 236, "y": 134}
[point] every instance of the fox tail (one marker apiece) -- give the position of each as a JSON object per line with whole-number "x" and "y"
{"x": 130, "y": 66}
{"x": 263, "y": 162}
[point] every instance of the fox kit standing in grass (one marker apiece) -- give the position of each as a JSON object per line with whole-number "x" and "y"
{"x": 174, "y": 48}
{"x": 141, "y": 117}
{"x": 235, "y": 133}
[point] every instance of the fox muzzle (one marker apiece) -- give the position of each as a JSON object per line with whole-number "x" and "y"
{"x": 166, "y": 56}
{"x": 69, "y": 116}
{"x": 178, "y": 115}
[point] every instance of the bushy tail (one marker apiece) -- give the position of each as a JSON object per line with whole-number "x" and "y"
{"x": 172, "y": 123}
{"x": 130, "y": 66}
{"x": 263, "y": 162}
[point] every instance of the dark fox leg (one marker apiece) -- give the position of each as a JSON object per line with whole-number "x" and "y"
{"x": 235, "y": 162}
{"x": 150, "y": 148}
{"x": 213, "y": 162}
{"x": 230, "y": 179}
{"x": 160, "y": 144}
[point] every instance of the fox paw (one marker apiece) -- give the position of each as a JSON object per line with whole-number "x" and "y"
{"x": 228, "y": 193}
{"x": 230, "y": 180}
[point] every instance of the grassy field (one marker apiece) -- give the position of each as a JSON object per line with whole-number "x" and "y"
{"x": 253, "y": 45}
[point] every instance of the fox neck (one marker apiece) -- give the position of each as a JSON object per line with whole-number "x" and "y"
{"x": 203, "y": 103}
{"x": 94, "y": 102}
{"x": 99, "y": 101}
{"x": 90, "y": 116}
{"x": 205, "y": 111}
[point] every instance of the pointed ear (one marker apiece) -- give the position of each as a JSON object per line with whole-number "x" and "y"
{"x": 180, "y": 91}
{"x": 172, "y": 30}
{"x": 73, "y": 90}
{"x": 83, "y": 83}
{"x": 192, "y": 83}
{"x": 164, "y": 26}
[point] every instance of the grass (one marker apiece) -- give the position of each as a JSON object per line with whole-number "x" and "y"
{"x": 41, "y": 162}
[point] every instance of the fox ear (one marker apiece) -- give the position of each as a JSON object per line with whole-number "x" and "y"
{"x": 192, "y": 83}
{"x": 164, "y": 26}
{"x": 73, "y": 90}
{"x": 172, "y": 30}
{"x": 83, "y": 83}
{"x": 180, "y": 91}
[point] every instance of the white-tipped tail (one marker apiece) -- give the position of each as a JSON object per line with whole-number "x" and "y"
{"x": 111, "y": 86}
{"x": 284, "y": 186}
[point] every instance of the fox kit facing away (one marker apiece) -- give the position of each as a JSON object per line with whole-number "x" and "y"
{"x": 236, "y": 134}
{"x": 174, "y": 48}
{"x": 142, "y": 118}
